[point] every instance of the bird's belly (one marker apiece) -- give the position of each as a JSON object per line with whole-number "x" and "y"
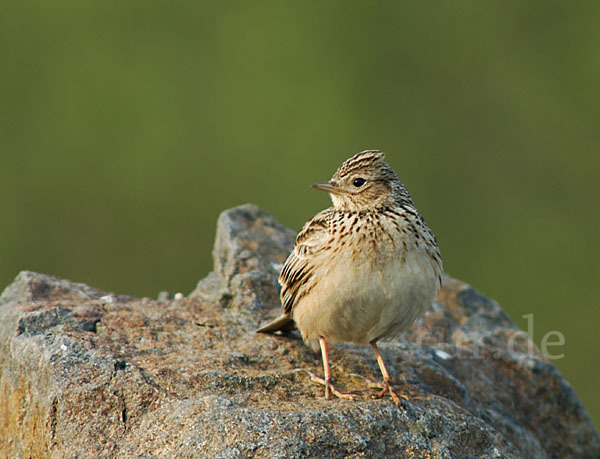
{"x": 362, "y": 302}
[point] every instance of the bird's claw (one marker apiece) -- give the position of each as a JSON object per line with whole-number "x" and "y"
{"x": 387, "y": 387}
{"x": 329, "y": 387}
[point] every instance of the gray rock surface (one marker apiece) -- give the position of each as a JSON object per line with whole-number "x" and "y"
{"x": 90, "y": 374}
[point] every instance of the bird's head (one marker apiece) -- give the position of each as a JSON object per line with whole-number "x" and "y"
{"x": 365, "y": 182}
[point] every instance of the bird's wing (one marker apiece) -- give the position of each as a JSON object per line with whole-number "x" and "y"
{"x": 297, "y": 272}
{"x": 296, "y": 276}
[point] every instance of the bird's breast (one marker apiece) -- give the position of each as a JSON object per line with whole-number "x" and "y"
{"x": 369, "y": 288}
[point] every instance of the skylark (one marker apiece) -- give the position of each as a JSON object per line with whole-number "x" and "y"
{"x": 362, "y": 270}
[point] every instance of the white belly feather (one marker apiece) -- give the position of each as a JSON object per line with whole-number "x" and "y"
{"x": 357, "y": 300}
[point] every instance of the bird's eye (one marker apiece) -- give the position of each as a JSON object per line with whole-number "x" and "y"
{"x": 358, "y": 182}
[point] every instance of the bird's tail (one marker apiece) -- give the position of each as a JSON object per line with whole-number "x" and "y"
{"x": 282, "y": 323}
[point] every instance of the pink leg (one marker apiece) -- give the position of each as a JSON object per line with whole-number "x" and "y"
{"x": 387, "y": 387}
{"x": 329, "y": 389}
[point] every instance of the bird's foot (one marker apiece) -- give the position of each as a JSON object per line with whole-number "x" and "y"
{"x": 329, "y": 388}
{"x": 384, "y": 386}
{"x": 387, "y": 387}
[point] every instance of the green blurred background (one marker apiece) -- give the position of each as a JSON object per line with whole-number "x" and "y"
{"x": 126, "y": 127}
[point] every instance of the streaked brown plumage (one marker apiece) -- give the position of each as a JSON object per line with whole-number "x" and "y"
{"x": 362, "y": 270}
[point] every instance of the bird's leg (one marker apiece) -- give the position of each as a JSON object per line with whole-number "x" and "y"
{"x": 329, "y": 389}
{"x": 387, "y": 386}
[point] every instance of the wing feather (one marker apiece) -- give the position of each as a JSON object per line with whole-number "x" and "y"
{"x": 297, "y": 274}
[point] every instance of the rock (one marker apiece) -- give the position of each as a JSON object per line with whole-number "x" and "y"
{"x": 90, "y": 374}
{"x": 250, "y": 248}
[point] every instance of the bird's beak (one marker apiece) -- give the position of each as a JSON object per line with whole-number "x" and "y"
{"x": 327, "y": 187}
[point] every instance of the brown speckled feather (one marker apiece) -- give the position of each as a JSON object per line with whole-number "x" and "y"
{"x": 295, "y": 278}
{"x": 361, "y": 271}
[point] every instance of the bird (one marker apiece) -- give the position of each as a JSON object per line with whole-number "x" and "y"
{"x": 362, "y": 270}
